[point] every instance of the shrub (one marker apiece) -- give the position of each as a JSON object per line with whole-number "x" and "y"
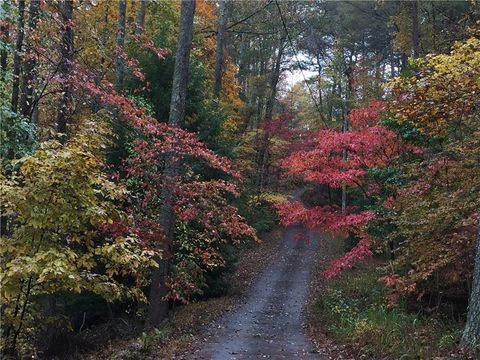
{"x": 355, "y": 311}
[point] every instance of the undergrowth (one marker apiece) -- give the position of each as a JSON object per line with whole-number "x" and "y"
{"x": 354, "y": 311}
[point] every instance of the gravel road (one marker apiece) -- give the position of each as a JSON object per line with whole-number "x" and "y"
{"x": 269, "y": 322}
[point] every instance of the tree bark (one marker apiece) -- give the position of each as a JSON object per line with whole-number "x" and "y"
{"x": 264, "y": 151}
{"x": 274, "y": 79}
{"x": 348, "y": 98}
{"x": 29, "y": 75}
{"x": 66, "y": 66}
{"x": 415, "y": 30}
{"x": 17, "y": 57}
{"x": 471, "y": 333}
{"x": 119, "y": 66}
{"x": 140, "y": 18}
{"x": 320, "y": 85}
{"x": 221, "y": 32}
{"x": 242, "y": 67}
{"x": 180, "y": 75}
{"x": 158, "y": 307}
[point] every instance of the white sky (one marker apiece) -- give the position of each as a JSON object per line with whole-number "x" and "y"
{"x": 292, "y": 77}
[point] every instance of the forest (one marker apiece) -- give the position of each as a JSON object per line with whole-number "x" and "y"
{"x": 220, "y": 179}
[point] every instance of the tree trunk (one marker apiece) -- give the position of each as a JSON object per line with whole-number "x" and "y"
{"x": 119, "y": 66}
{"x": 392, "y": 63}
{"x": 471, "y": 333}
{"x": 140, "y": 18}
{"x": 264, "y": 150}
{"x": 29, "y": 75}
{"x": 415, "y": 30}
{"x": 158, "y": 306}
{"x": 242, "y": 67}
{"x": 274, "y": 79}
{"x": 17, "y": 57}
{"x": 320, "y": 97}
{"x": 180, "y": 75}
{"x": 404, "y": 61}
{"x": 260, "y": 96}
{"x": 344, "y": 158}
{"x": 346, "y": 111}
{"x": 333, "y": 93}
{"x": 221, "y": 32}
{"x": 66, "y": 66}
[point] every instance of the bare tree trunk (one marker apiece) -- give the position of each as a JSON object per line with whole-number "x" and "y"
{"x": 140, "y": 18}
{"x": 221, "y": 32}
{"x": 242, "y": 67}
{"x": 29, "y": 75}
{"x": 158, "y": 306}
{"x": 320, "y": 97}
{"x": 260, "y": 96}
{"x": 182, "y": 59}
{"x": 415, "y": 30}
{"x": 66, "y": 65}
{"x": 17, "y": 60}
{"x": 99, "y": 74}
{"x": 274, "y": 79}
{"x": 119, "y": 66}
{"x": 333, "y": 94}
{"x": 264, "y": 150}
{"x": 471, "y": 333}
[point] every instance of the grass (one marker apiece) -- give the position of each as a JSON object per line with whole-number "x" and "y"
{"x": 353, "y": 311}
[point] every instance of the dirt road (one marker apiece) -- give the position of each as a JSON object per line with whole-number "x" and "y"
{"x": 268, "y": 324}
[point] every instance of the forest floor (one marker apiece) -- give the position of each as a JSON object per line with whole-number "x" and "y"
{"x": 186, "y": 327}
{"x": 346, "y": 317}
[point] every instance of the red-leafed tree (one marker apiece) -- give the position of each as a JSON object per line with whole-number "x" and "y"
{"x": 201, "y": 204}
{"x": 368, "y": 145}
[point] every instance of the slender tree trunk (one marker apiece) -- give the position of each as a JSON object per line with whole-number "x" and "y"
{"x": 221, "y": 32}
{"x": 333, "y": 94}
{"x": 274, "y": 79}
{"x": 392, "y": 63}
{"x": 259, "y": 97}
{"x": 158, "y": 306}
{"x": 320, "y": 97}
{"x": 17, "y": 57}
{"x": 415, "y": 30}
{"x": 119, "y": 66}
{"x": 242, "y": 66}
{"x": 264, "y": 150}
{"x": 29, "y": 75}
{"x": 404, "y": 61}
{"x": 434, "y": 26}
{"x": 344, "y": 158}
{"x": 66, "y": 66}
{"x": 140, "y": 18}
{"x": 348, "y": 97}
{"x": 471, "y": 333}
